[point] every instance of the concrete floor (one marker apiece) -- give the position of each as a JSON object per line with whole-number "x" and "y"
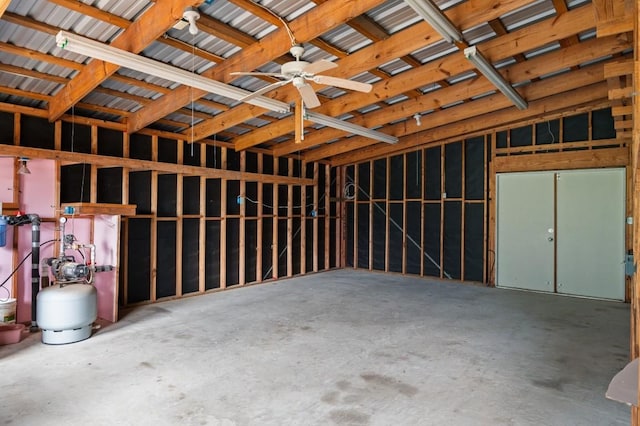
{"x": 343, "y": 347}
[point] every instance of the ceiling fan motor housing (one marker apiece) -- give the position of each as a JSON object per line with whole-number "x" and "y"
{"x": 293, "y": 68}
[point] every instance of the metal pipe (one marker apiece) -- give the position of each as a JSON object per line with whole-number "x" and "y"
{"x": 35, "y": 267}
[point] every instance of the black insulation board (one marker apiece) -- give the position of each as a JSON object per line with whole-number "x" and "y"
{"x": 351, "y": 174}
{"x": 6, "y": 128}
{"x": 110, "y": 142}
{"x": 251, "y": 162}
{"x": 139, "y": 260}
{"x": 233, "y": 192}
{"x": 501, "y": 139}
{"x": 213, "y": 198}
{"x": 521, "y": 136}
{"x": 379, "y": 234}
{"x": 396, "y": 177}
{"x": 297, "y": 168}
{"x": 267, "y": 164}
{"x": 75, "y": 183}
{"x": 267, "y": 249}
{"x": 453, "y": 169}
{"x": 380, "y": 179}
{"x": 413, "y": 227}
{"x": 109, "y": 185}
{"x": 474, "y": 168}
{"x": 282, "y": 247}
{"x": 309, "y": 206}
{"x": 191, "y": 154}
{"x": 308, "y": 241}
{"x": 251, "y": 190}
{"x": 321, "y": 244}
{"x": 364, "y": 181}
{"x": 431, "y": 242}
{"x": 233, "y": 251}
{"x": 602, "y": 124}
{"x": 298, "y": 205}
{"x": 140, "y": 146}
{"x": 363, "y": 235}
{"x": 167, "y": 150}
{"x": 36, "y": 132}
{"x": 140, "y": 191}
{"x": 191, "y": 195}
{"x": 190, "y": 255}
{"x": 76, "y": 137}
{"x": 396, "y": 224}
{"x": 267, "y": 199}
{"x": 413, "y": 188}
{"x": 283, "y": 166}
{"x": 233, "y": 160}
{"x": 333, "y": 261}
{"x": 167, "y": 195}
{"x": 575, "y": 128}
{"x": 250, "y": 249}
{"x": 473, "y": 241}
{"x": 322, "y": 177}
{"x": 212, "y": 259}
{"x": 433, "y": 176}
{"x": 350, "y": 231}
{"x": 297, "y": 246}
{"x": 214, "y": 157}
{"x": 452, "y": 241}
{"x": 283, "y": 200}
{"x": 166, "y": 259}
{"x": 548, "y": 132}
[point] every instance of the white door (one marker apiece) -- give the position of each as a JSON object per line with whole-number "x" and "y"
{"x": 525, "y": 231}
{"x": 591, "y": 224}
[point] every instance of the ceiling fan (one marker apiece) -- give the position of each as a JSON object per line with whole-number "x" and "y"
{"x": 300, "y": 73}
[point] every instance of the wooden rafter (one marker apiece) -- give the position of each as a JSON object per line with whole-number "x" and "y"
{"x": 155, "y": 21}
{"x": 504, "y": 47}
{"x": 276, "y": 44}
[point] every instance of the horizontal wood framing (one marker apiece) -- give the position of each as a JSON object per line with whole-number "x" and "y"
{"x": 613, "y": 157}
{"x": 430, "y": 211}
{"x": 584, "y": 140}
{"x": 204, "y": 217}
{"x": 420, "y": 212}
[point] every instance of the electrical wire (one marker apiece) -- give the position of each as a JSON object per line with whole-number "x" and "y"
{"x": 284, "y": 23}
{"x": 279, "y": 207}
{"x": 20, "y": 264}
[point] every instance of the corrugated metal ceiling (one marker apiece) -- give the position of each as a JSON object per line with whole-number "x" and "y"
{"x": 390, "y": 17}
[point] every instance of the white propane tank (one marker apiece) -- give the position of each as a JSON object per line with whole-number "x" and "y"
{"x": 65, "y": 313}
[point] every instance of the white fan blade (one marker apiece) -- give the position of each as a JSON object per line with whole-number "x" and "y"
{"x": 264, "y": 90}
{"x": 269, "y": 74}
{"x": 309, "y": 96}
{"x": 319, "y": 66}
{"x": 343, "y": 83}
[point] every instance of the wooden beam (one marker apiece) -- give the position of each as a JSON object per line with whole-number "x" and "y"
{"x": 94, "y": 12}
{"x": 494, "y": 115}
{"x": 448, "y": 117}
{"x": 509, "y": 45}
{"x": 310, "y": 25}
{"x": 3, "y": 6}
{"x": 107, "y": 161}
{"x": 155, "y": 21}
{"x": 618, "y": 68}
{"x": 101, "y": 208}
{"x": 568, "y": 160}
{"x": 39, "y": 56}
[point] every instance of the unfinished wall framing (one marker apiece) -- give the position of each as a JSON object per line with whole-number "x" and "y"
{"x": 430, "y": 211}
{"x": 231, "y": 218}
